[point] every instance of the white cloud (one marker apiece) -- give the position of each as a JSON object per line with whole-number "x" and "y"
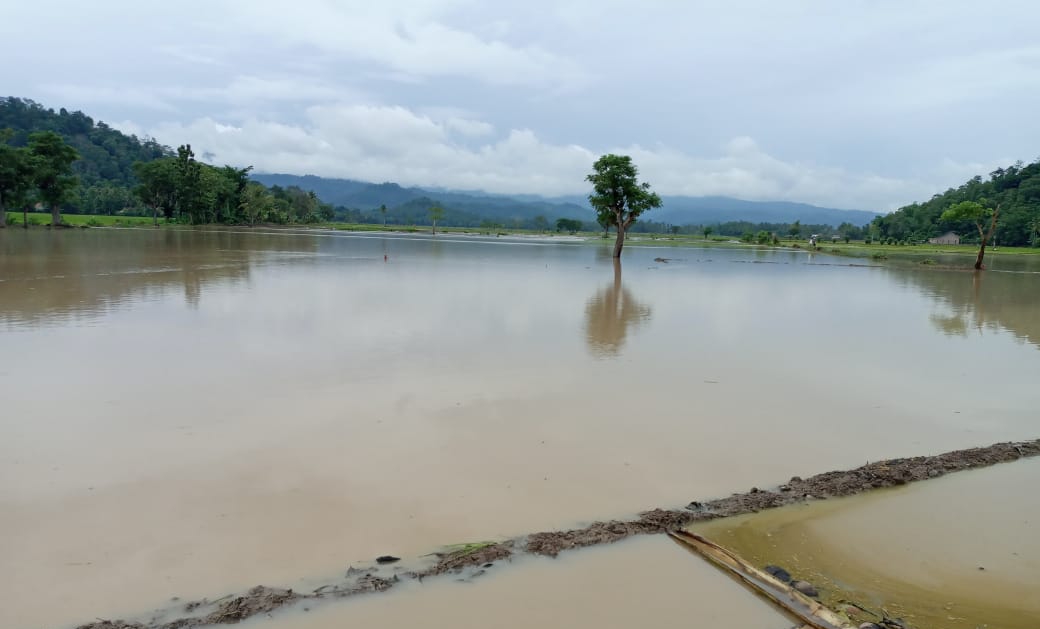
{"x": 381, "y": 143}
{"x": 852, "y": 104}
{"x": 411, "y": 39}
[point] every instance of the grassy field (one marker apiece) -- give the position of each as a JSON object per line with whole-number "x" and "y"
{"x": 14, "y": 219}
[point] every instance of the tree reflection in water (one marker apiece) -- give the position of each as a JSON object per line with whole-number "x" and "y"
{"x": 609, "y": 314}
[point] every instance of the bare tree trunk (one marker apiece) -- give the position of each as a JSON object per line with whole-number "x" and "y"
{"x": 620, "y": 242}
{"x": 434, "y": 228}
{"x": 55, "y": 216}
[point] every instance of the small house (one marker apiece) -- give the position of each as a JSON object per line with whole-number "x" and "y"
{"x": 949, "y": 238}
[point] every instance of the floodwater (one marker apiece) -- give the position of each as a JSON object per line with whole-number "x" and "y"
{"x": 190, "y": 413}
{"x": 647, "y": 581}
{"x": 959, "y": 552}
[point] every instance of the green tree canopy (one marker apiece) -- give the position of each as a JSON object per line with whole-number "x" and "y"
{"x": 436, "y": 214}
{"x": 52, "y": 162}
{"x": 618, "y": 197}
{"x": 975, "y": 212}
{"x": 16, "y": 177}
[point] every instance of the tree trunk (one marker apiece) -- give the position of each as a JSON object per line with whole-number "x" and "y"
{"x": 620, "y": 242}
{"x": 985, "y": 237}
{"x": 3, "y": 215}
{"x": 155, "y": 216}
{"x": 434, "y": 228}
{"x": 55, "y": 216}
{"x": 25, "y": 217}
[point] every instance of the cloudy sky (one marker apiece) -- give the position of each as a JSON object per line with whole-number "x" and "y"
{"x": 849, "y": 103}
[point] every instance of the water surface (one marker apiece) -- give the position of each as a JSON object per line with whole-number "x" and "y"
{"x": 959, "y": 552}
{"x": 192, "y": 413}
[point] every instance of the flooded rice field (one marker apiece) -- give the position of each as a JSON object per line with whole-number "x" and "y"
{"x": 188, "y": 414}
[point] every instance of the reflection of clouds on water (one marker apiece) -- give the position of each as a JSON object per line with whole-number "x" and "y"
{"x": 609, "y": 314}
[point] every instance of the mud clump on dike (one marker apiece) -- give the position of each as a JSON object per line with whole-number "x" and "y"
{"x": 890, "y": 473}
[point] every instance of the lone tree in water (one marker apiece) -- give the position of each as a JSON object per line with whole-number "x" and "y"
{"x": 436, "y": 214}
{"x": 977, "y": 213}
{"x": 617, "y": 196}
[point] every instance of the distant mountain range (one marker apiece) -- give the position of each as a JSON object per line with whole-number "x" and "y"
{"x": 676, "y": 210}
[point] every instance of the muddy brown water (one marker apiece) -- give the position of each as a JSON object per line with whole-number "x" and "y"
{"x": 958, "y": 552}
{"x": 640, "y": 582}
{"x": 188, "y": 414}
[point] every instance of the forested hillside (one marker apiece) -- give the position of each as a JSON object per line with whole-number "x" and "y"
{"x": 119, "y": 174}
{"x": 1015, "y": 188}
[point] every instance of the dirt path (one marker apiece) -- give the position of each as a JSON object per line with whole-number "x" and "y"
{"x": 476, "y": 558}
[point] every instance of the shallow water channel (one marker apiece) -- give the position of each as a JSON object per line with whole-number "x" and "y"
{"x": 190, "y": 413}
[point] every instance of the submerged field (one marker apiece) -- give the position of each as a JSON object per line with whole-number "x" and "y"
{"x": 194, "y": 412}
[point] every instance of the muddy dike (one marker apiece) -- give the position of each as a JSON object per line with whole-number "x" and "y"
{"x": 471, "y": 561}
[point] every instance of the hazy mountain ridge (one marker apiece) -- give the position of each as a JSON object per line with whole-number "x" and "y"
{"x": 677, "y": 210}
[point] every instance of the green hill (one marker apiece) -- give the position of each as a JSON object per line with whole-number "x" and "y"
{"x": 1016, "y": 188}
{"x": 107, "y": 155}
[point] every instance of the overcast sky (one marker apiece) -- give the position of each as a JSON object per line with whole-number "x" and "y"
{"x": 848, "y": 103}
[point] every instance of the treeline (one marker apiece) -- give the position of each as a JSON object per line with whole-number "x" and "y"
{"x": 1016, "y": 189}
{"x": 184, "y": 189}
{"x": 66, "y": 162}
{"x": 105, "y": 168}
{"x": 741, "y": 229}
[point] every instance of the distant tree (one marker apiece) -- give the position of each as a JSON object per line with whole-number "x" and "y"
{"x": 157, "y": 187}
{"x": 382, "y": 210}
{"x": 674, "y": 229}
{"x": 52, "y": 162}
{"x": 1034, "y": 232}
{"x": 15, "y": 177}
{"x": 706, "y": 230}
{"x": 541, "y": 223}
{"x": 256, "y": 204}
{"x": 188, "y": 184}
{"x": 436, "y": 214}
{"x": 618, "y": 194}
{"x": 795, "y": 229}
{"x": 568, "y": 224}
{"x": 230, "y": 186}
{"x": 605, "y": 220}
{"x": 976, "y": 213}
